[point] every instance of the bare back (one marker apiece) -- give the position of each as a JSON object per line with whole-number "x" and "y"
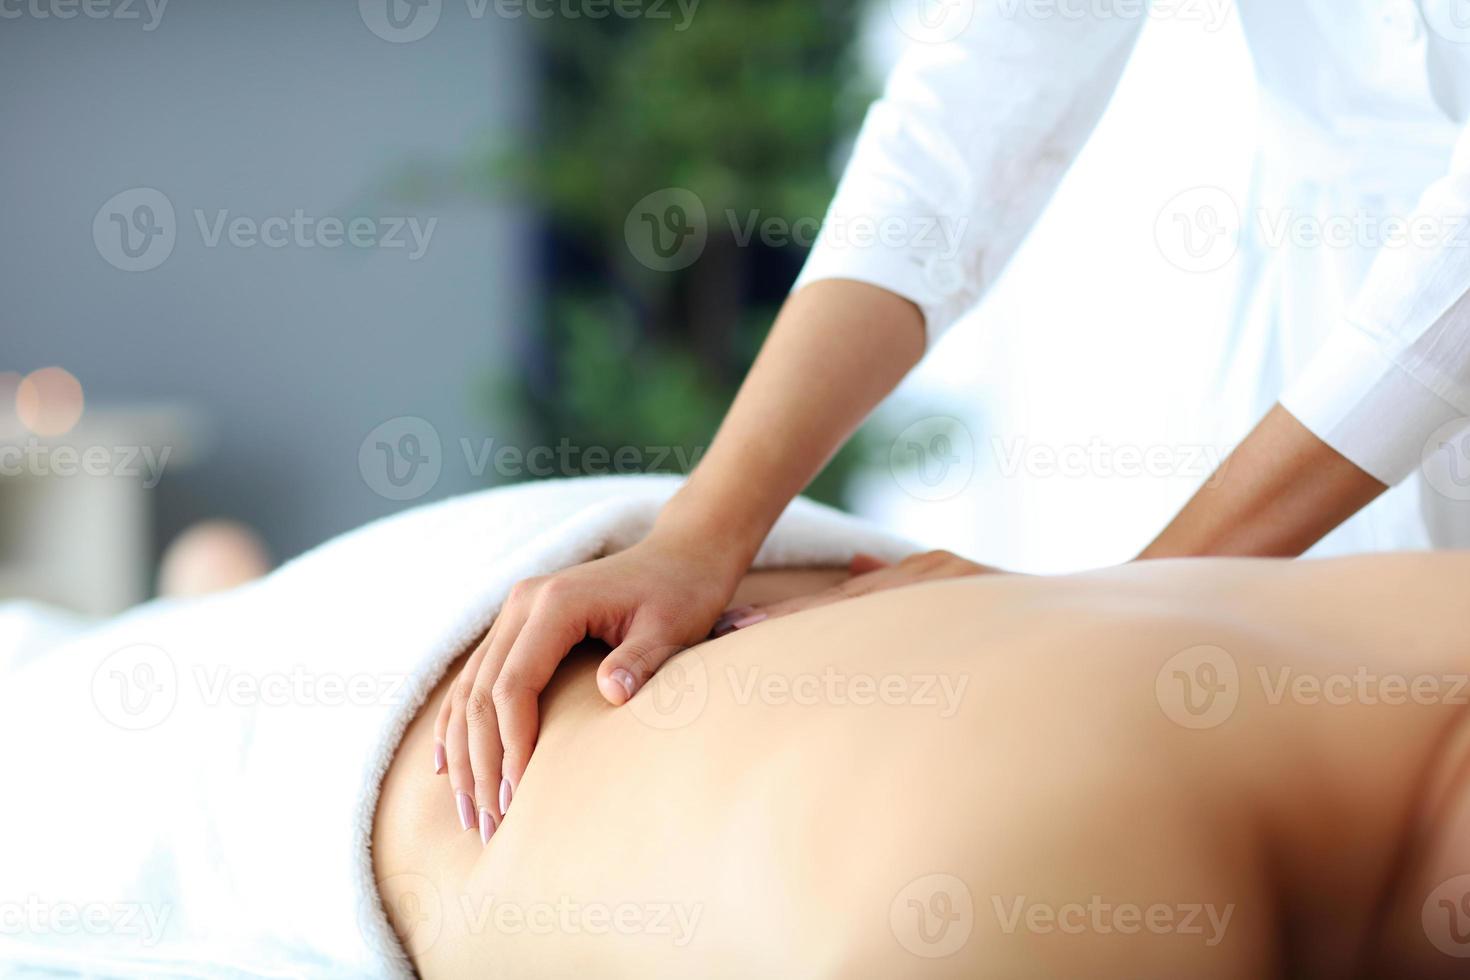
{"x": 1186, "y": 767}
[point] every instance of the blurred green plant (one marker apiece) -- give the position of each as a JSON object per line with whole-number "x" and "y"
{"x": 748, "y": 108}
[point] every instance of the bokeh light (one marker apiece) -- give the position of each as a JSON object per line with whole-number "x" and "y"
{"x": 49, "y": 401}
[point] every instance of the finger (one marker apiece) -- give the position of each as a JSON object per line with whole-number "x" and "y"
{"x": 482, "y": 723}
{"x": 633, "y": 661}
{"x": 456, "y": 739}
{"x": 457, "y": 733}
{"x": 548, "y": 635}
{"x": 880, "y": 576}
{"x": 861, "y": 568}
{"x": 482, "y": 736}
{"x": 740, "y": 617}
{"x": 786, "y": 607}
{"x": 863, "y": 563}
{"x": 441, "y": 728}
{"x": 885, "y": 577}
{"x": 441, "y": 720}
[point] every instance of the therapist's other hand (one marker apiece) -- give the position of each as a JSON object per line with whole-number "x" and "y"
{"x": 869, "y": 574}
{"x": 647, "y": 603}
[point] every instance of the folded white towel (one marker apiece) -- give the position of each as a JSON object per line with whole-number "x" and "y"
{"x": 189, "y": 788}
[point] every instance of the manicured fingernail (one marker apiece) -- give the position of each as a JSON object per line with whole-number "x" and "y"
{"x": 624, "y": 679}
{"x": 745, "y": 621}
{"x": 466, "y": 810}
{"x": 504, "y": 796}
{"x": 727, "y": 621}
{"x": 487, "y": 825}
{"x": 440, "y": 764}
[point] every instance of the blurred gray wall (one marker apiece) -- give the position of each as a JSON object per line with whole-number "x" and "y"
{"x": 290, "y": 355}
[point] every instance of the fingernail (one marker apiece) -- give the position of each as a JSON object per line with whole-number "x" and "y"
{"x": 439, "y": 761}
{"x": 466, "y": 810}
{"x": 727, "y": 621}
{"x": 624, "y": 679}
{"x": 487, "y": 825}
{"x": 745, "y": 621}
{"x": 504, "y": 795}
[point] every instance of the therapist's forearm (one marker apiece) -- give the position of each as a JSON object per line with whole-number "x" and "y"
{"x": 1277, "y": 494}
{"x": 837, "y": 348}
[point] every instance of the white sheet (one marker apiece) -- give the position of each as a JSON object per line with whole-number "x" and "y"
{"x": 190, "y": 786}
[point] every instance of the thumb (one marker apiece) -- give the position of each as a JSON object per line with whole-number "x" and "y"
{"x": 633, "y": 661}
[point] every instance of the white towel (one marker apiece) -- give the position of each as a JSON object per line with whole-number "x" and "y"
{"x": 190, "y": 787}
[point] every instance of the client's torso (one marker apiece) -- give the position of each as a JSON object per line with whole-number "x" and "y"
{"x": 1204, "y": 767}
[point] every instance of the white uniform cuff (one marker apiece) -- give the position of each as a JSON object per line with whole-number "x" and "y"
{"x": 1355, "y": 399}
{"x": 882, "y": 254}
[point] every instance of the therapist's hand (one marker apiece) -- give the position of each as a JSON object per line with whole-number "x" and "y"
{"x": 647, "y": 603}
{"x": 869, "y": 575}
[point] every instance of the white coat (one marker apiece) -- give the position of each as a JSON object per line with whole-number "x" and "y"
{"x": 1361, "y": 329}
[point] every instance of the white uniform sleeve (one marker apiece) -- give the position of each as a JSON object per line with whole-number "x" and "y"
{"x": 957, "y": 159}
{"x": 1397, "y": 368}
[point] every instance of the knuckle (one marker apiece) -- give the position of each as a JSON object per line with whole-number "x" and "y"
{"x": 638, "y": 658}
{"x": 638, "y": 661}
{"x": 522, "y": 591}
{"x": 480, "y": 707}
{"x": 507, "y": 688}
{"x": 553, "y": 592}
{"x": 664, "y": 619}
{"x": 930, "y": 560}
{"x": 642, "y": 660}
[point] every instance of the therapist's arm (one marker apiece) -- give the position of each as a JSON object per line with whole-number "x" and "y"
{"x": 957, "y": 159}
{"x": 836, "y": 350}
{"x": 1277, "y": 494}
{"x": 1391, "y": 373}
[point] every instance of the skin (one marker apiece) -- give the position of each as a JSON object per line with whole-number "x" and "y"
{"x": 1280, "y": 492}
{"x": 765, "y": 834}
{"x": 836, "y": 350}
{"x": 868, "y": 574}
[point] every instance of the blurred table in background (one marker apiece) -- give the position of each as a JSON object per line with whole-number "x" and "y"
{"x": 76, "y": 510}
